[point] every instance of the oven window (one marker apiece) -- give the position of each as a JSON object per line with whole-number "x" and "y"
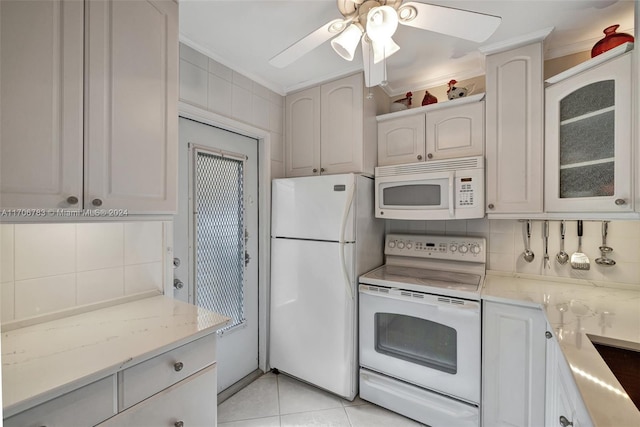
{"x": 417, "y": 341}
{"x": 412, "y": 195}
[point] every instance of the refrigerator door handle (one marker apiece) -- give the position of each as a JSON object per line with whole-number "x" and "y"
{"x": 345, "y": 216}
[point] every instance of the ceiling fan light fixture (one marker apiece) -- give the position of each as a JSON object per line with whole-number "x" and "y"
{"x": 346, "y": 43}
{"x": 383, "y": 50}
{"x": 382, "y": 23}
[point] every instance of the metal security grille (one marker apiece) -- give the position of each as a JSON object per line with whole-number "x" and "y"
{"x": 219, "y": 234}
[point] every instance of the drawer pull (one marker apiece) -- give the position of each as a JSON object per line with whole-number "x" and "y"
{"x": 178, "y": 424}
{"x": 178, "y": 366}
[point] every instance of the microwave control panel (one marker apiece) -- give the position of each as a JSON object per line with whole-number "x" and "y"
{"x": 467, "y": 191}
{"x": 436, "y": 247}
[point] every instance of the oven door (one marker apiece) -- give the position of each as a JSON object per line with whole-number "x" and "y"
{"x": 427, "y": 340}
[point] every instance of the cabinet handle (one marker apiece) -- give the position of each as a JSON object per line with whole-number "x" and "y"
{"x": 178, "y": 424}
{"x": 72, "y": 200}
{"x": 429, "y": 156}
{"x": 315, "y": 170}
{"x": 620, "y": 202}
{"x": 419, "y": 156}
{"x": 177, "y": 283}
{"x": 564, "y": 422}
{"x": 321, "y": 170}
{"x": 548, "y": 335}
{"x": 178, "y": 366}
{"x": 96, "y": 202}
{"x": 491, "y": 206}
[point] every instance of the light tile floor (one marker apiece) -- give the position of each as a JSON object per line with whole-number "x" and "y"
{"x": 281, "y": 401}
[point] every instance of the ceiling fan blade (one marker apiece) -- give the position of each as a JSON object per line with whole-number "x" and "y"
{"x": 374, "y": 74}
{"x": 460, "y": 23}
{"x": 309, "y": 42}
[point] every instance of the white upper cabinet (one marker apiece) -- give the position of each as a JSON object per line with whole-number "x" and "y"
{"x": 41, "y": 112}
{"x": 434, "y": 132}
{"x": 89, "y": 104}
{"x": 588, "y": 140}
{"x": 302, "y": 134}
{"x": 330, "y": 129}
{"x": 131, "y": 128}
{"x": 515, "y": 130}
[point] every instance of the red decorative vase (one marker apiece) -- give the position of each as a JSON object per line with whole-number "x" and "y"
{"x": 610, "y": 40}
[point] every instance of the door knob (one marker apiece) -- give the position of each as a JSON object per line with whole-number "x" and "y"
{"x": 620, "y": 202}
{"x": 315, "y": 170}
{"x": 72, "y": 200}
{"x": 491, "y": 206}
{"x": 429, "y": 156}
{"x": 419, "y": 156}
{"x": 96, "y": 202}
{"x": 177, "y": 283}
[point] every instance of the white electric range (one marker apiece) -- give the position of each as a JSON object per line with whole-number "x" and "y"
{"x": 420, "y": 328}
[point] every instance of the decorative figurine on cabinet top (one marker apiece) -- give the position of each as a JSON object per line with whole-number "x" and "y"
{"x": 429, "y": 99}
{"x": 610, "y": 40}
{"x": 402, "y": 104}
{"x": 455, "y": 92}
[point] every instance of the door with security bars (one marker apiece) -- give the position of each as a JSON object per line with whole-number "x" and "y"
{"x": 216, "y": 232}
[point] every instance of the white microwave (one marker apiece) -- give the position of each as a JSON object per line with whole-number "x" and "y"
{"x": 439, "y": 189}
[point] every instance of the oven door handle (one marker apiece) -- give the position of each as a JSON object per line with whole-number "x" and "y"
{"x": 467, "y": 306}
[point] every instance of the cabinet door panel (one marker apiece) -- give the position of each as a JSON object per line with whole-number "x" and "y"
{"x": 455, "y": 132}
{"x": 302, "y": 135}
{"x": 131, "y": 134}
{"x": 514, "y": 130}
{"x": 401, "y": 140}
{"x": 341, "y": 117}
{"x": 514, "y": 347}
{"x": 41, "y": 80}
{"x": 588, "y": 140}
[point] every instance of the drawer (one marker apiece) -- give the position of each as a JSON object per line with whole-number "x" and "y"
{"x": 191, "y": 402}
{"x": 85, "y": 406}
{"x": 148, "y": 378}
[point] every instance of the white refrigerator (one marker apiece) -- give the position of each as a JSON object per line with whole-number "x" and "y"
{"x": 323, "y": 236}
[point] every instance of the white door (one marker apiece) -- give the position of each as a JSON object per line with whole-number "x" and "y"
{"x": 216, "y": 238}
{"x": 317, "y": 208}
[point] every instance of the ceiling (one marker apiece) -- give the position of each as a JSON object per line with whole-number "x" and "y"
{"x": 244, "y": 35}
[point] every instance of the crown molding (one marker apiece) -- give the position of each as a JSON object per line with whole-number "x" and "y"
{"x": 515, "y": 42}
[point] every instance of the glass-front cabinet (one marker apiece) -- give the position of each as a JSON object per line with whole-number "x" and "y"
{"x": 588, "y": 140}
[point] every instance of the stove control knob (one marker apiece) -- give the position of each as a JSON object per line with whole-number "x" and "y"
{"x": 392, "y": 244}
{"x": 463, "y": 249}
{"x": 409, "y": 245}
{"x": 400, "y": 245}
{"x": 475, "y": 249}
{"x": 453, "y": 248}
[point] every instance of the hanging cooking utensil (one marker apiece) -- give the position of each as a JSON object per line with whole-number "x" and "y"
{"x": 546, "y": 245}
{"x": 562, "y": 257}
{"x": 604, "y": 249}
{"x": 528, "y": 255}
{"x": 579, "y": 260}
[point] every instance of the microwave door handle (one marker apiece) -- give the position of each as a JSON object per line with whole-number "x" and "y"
{"x": 452, "y": 184}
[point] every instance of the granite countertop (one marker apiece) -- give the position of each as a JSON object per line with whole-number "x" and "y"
{"x": 43, "y": 361}
{"x": 577, "y": 309}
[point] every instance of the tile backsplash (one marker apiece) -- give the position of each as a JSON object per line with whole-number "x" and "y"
{"x": 506, "y": 239}
{"x": 51, "y": 267}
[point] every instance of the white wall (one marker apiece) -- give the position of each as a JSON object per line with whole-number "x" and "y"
{"x": 51, "y": 267}
{"x": 505, "y": 241}
{"x": 212, "y": 86}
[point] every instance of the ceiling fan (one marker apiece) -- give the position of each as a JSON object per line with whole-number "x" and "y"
{"x": 374, "y": 22}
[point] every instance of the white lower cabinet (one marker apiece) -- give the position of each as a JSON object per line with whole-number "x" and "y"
{"x": 564, "y": 405}
{"x": 85, "y": 406}
{"x": 174, "y": 389}
{"x": 513, "y": 366}
{"x": 191, "y": 402}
